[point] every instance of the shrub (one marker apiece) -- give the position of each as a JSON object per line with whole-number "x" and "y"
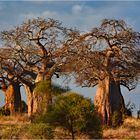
{"x": 75, "y": 114}
{"x": 26, "y": 131}
{"x": 39, "y": 131}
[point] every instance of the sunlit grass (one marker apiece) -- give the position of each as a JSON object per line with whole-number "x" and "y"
{"x": 16, "y": 127}
{"x": 129, "y": 130}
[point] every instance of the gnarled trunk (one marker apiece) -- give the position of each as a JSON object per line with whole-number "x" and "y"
{"x": 42, "y": 99}
{"x": 108, "y": 100}
{"x": 13, "y": 98}
{"x": 29, "y": 94}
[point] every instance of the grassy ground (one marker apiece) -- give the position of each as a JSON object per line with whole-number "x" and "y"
{"x": 19, "y": 127}
{"x": 129, "y": 130}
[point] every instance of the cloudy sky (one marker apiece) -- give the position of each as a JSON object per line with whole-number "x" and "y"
{"x": 83, "y": 15}
{"x": 80, "y": 14}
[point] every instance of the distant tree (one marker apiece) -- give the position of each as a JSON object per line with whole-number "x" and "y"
{"x": 76, "y": 114}
{"x": 108, "y": 56}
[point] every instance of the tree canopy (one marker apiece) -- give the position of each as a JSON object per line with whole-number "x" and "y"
{"x": 112, "y": 49}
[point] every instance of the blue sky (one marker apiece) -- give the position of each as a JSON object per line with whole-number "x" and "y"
{"x": 83, "y": 15}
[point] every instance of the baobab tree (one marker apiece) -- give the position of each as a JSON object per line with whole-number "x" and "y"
{"x": 9, "y": 84}
{"x": 108, "y": 56}
{"x": 34, "y": 47}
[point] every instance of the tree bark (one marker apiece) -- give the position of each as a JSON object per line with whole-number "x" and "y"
{"x": 17, "y": 97}
{"x": 41, "y": 100}
{"x": 13, "y": 98}
{"x": 108, "y": 100}
{"x": 29, "y": 94}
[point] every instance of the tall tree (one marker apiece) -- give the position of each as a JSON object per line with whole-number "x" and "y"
{"x": 34, "y": 45}
{"x": 108, "y": 56}
{"x": 9, "y": 84}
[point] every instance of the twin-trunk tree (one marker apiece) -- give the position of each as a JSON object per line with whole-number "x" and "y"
{"x": 107, "y": 57}
{"x": 34, "y": 46}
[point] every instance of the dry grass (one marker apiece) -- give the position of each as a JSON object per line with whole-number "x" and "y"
{"x": 16, "y": 125}
{"x": 17, "y": 119}
{"x": 129, "y": 130}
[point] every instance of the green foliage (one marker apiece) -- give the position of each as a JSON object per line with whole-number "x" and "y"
{"x": 46, "y": 86}
{"x": 29, "y": 131}
{"x": 76, "y": 114}
{"x": 44, "y": 93}
{"x": 43, "y": 87}
{"x": 39, "y": 131}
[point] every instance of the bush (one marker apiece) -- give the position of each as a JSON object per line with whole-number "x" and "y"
{"x": 75, "y": 114}
{"x": 39, "y": 131}
{"x": 27, "y": 131}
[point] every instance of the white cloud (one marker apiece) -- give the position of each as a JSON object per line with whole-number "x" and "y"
{"x": 77, "y": 9}
{"x": 82, "y": 17}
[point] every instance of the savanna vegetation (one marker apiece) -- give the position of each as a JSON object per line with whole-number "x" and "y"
{"x": 39, "y": 50}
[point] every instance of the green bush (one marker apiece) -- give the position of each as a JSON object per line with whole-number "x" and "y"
{"x": 27, "y": 131}
{"x": 75, "y": 114}
{"x": 39, "y": 131}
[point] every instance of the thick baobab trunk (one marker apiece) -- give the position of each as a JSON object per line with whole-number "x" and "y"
{"x": 108, "y": 100}
{"x": 42, "y": 96}
{"x": 29, "y": 95}
{"x": 17, "y": 97}
{"x": 13, "y": 98}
